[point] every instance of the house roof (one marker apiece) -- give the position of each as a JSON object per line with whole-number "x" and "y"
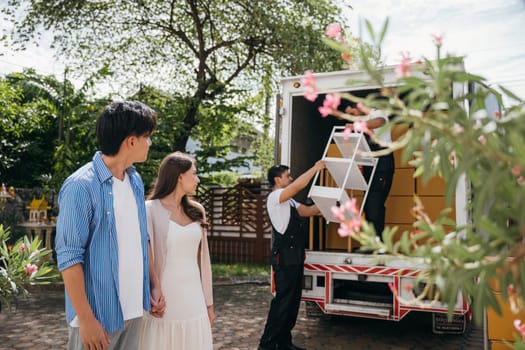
{"x": 39, "y": 204}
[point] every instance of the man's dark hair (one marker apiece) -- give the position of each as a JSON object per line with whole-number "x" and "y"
{"x": 122, "y": 119}
{"x": 276, "y": 171}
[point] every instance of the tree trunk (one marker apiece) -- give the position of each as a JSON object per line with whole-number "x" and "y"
{"x": 190, "y": 119}
{"x": 189, "y": 122}
{"x": 179, "y": 143}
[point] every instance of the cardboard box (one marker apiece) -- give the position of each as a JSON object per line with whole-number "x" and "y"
{"x": 434, "y": 206}
{"x": 501, "y": 327}
{"x": 404, "y": 183}
{"x": 398, "y": 210}
{"x": 434, "y": 187}
{"x": 335, "y": 242}
{"x": 396, "y": 132}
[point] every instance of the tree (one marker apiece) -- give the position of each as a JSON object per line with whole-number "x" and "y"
{"x": 47, "y": 131}
{"x": 263, "y": 147}
{"x": 197, "y": 48}
{"x": 222, "y": 121}
{"x": 446, "y": 139}
{"x": 28, "y": 131}
{"x": 224, "y": 124}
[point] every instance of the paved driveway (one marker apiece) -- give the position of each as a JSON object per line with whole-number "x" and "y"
{"x": 38, "y": 324}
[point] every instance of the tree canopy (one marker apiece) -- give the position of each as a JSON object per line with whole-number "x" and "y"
{"x": 194, "y": 48}
{"x": 47, "y": 129}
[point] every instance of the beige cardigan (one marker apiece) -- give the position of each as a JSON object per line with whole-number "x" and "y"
{"x": 158, "y": 223}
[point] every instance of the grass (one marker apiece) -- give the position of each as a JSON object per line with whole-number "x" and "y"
{"x": 239, "y": 270}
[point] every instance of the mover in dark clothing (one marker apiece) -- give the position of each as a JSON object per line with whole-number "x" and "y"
{"x": 374, "y": 208}
{"x": 289, "y": 239}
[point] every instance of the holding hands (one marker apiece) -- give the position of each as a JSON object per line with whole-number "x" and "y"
{"x": 158, "y": 303}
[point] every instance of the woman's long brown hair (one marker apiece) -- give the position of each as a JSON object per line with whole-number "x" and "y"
{"x": 171, "y": 167}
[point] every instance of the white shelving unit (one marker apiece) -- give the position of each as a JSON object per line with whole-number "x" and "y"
{"x": 345, "y": 172}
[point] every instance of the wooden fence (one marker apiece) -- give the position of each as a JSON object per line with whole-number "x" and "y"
{"x": 240, "y": 231}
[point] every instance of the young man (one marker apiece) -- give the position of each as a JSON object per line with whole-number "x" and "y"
{"x": 289, "y": 239}
{"x": 102, "y": 237}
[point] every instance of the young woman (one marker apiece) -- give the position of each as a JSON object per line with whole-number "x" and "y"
{"x": 181, "y": 260}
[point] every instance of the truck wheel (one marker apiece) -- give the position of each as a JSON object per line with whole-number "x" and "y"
{"x": 458, "y": 324}
{"x": 313, "y": 310}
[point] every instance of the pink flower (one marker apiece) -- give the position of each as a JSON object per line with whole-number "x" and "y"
{"x": 332, "y": 100}
{"x": 361, "y": 126}
{"x": 347, "y": 132}
{"x": 310, "y": 89}
{"x": 351, "y": 224}
{"x": 22, "y": 248}
{"x": 516, "y": 170}
{"x": 351, "y": 206}
{"x": 344, "y": 230}
{"x": 333, "y": 30}
{"x": 357, "y": 126}
{"x": 338, "y": 212}
{"x": 355, "y": 224}
{"x": 520, "y": 327}
{"x": 458, "y": 129}
{"x": 330, "y": 103}
{"x": 403, "y": 69}
{"x": 310, "y": 95}
{"x": 309, "y": 79}
{"x": 30, "y": 269}
{"x": 482, "y": 139}
{"x": 325, "y": 111}
{"x": 347, "y": 229}
{"x": 521, "y": 180}
{"x": 438, "y": 39}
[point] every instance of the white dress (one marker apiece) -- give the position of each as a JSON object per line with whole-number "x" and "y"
{"x": 185, "y": 325}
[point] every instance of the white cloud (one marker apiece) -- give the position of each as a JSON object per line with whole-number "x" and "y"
{"x": 488, "y": 33}
{"x": 40, "y": 57}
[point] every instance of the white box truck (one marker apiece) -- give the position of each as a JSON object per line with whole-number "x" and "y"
{"x": 338, "y": 279}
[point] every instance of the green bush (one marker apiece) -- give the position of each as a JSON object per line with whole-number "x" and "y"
{"x": 220, "y": 178}
{"x": 21, "y": 265}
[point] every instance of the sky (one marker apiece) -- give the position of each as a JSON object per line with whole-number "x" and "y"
{"x": 489, "y": 33}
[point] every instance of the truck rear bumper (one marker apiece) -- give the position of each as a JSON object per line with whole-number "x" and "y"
{"x": 367, "y": 286}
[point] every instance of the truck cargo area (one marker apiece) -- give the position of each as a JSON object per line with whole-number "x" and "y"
{"x": 341, "y": 278}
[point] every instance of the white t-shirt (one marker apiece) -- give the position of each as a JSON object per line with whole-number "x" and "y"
{"x": 129, "y": 250}
{"x": 385, "y": 137}
{"x": 130, "y": 267}
{"x": 279, "y": 213}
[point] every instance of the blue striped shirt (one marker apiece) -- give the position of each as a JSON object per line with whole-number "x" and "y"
{"x": 86, "y": 234}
